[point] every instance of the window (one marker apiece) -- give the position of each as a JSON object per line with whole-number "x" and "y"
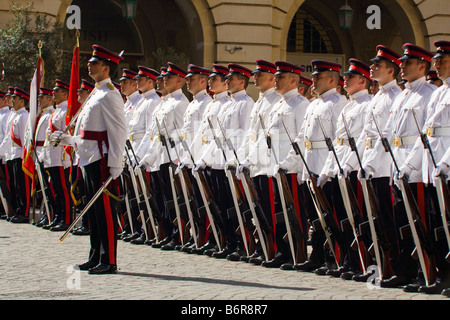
{"x": 307, "y": 35}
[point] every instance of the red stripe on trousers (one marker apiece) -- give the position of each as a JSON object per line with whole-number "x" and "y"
{"x": 109, "y": 229}
{"x": 66, "y": 195}
{"x": 421, "y": 203}
{"x": 27, "y": 190}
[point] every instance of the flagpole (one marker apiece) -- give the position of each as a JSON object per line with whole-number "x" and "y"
{"x": 33, "y": 178}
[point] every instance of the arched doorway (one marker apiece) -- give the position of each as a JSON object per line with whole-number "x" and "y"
{"x": 314, "y": 31}
{"x": 161, "y": 31}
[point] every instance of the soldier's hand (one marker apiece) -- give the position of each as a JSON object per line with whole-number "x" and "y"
{"x": 322, "y": 180}
{"x": 242, "y": 166}
{"x": 441, "y": 169}
{"x": 115, "y": 172}
{"x": 346, "y": 170}
{"x": 300, "y": 180}
{"x": 405, "y": 171}
{"x": 64, "y": 138}
{"x": 368, "y": 172}
{"x": 180, "y": 166}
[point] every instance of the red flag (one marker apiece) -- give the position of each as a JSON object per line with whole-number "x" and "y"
{"x": 73, "y": 104}
{"x": 28, "y": 165}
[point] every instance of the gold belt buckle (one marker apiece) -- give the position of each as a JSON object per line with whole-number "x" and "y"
{"x": 131, "y": 137}
{"x": 183, "y": 136}
{"x": 308, "y": 145}
{"x": 340, "y": 141}
{"x": 204, "y": 140}
{"x": 369, "y": 143}
{"x": 430, "y": 132}
{"x": 397, "y": 142}
{"x": 151, "y": 137}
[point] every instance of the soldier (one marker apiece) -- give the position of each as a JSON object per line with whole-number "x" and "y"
{"x": 433, "y": 78}
{"x": 401, "y": 130}
{"x": 290, "y": 109}
{"x": 356, "y": 83}
{"x": 150, "y": 145}
{"x": 57, "y": 160}
{"x": 437, "y": 130}
{"x": 264, "y": 76}
{"x": 304, "y": 87}
{"x": 326, "y": 108}
{"x": 129, "y": 88}
{"x": 203, "y": 137}
{"x": 99, "y": 140}
{"x": 11, "y": 147}
{"x": 234, "y": 119}
{"x": 196, "y": 83}
{"x": 83, "y": 93}
{"x": 141, "y": 120}
{"x": 4, "y": 114}
{"x": 46, "y": 109}
{"x": 384, "y": 69}
{"x": 170, "y": 110}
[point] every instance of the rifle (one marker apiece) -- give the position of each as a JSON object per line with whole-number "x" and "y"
{"x": 175, "y": 184}
{"x": 138, "y": 196}
{"x": 263, "y": 228}
{"x": 5, "y": 195}
{"x": 45, "y": 186}
{"x": 146, "y": 195}
{"x": 348, "y": 196}
{"x": 442, "y": 190}
{"x": 320, "y": 201}
{"x": 240, "y": 207}
{"x": 189, "y": 197}
{"x": 211, "y": 208}
{"x": 294, "y": 233}
{"x": 423, "y": 250}
{"x": 378, "y": 233}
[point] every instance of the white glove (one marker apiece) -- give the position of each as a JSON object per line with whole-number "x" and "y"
{"x": 230, "y": 163}
{"x": 199, "y": 165}
{"x": 322, "y": 180}
{"x": 115, "y": 172}
{"x": 66, "y": 139}
{"x": 369, "y": 171}
{"x": 300, "y": 180}
{"x": 242, "y": 166}
{"x": 143, "y": 164}
{"x": 442, "y": 168}
{"x": 405, "y": 170}
{"x": 275, "y": 170}
{"x": 347, "y": 169}
{"x": 179, "y": 167}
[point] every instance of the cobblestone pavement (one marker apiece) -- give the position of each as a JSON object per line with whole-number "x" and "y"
{"x": 36, "y": 266}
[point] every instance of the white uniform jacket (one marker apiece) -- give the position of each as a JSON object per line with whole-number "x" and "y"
{"x": 327, "y": 107}
{"x": 204, "y": 135}
{"x": 131, "y": 105}
{"x": 141, "y": 118}
{"x": 172, "y": 111}
{"x": 192, "y": 119}
{"x": 291, "y": 110}
{"x": 55, "y": 156}
{"x": 102, "y": 115}
{"x": 354, "y": 116}
{"x": 16, "y": 127}
{"x": 401, "y": 129}
{"x": 437, "y": 128}
{"x": 379, "y": 106}
{"x": 263, "y": 107}
{"x": 4, "y": 131}
{"x": 234, "y": 118}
